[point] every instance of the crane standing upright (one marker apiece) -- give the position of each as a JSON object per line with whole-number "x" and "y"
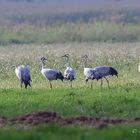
{"x": 50, "y": 74}
{"x": 99, "y": 72}
{"x": 88, "y": 72}
{"x": 69, "y": 73}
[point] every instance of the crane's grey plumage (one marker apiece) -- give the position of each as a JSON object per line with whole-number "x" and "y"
{"x": 88, "y": 72}
{"x": 69, "y": 73}
{"x": 23, "y": 74}
{"x": 50, "y": 74}
{"x": 103, "y": 71}
{"x": 99, "y": 72}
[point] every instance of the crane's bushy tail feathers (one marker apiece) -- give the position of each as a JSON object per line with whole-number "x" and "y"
{"x": 60, "y": 76}
{"x": 27, "y": 84}
{"x": 26, "y": 80}
{"x": 113, "y": 71}
{"x": 69, "y": 77}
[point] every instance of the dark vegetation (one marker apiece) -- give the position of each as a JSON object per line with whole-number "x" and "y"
{"x": 45, "y": 117}
{"x": 24, "y": 22}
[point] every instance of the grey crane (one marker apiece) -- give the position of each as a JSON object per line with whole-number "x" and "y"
{"x": 101, "y": 72}
{"x": 69, "y": 73}
{"x": 23, "y": 74}
{"x": 50, "y": 74}
{"x": 88, "y": 72}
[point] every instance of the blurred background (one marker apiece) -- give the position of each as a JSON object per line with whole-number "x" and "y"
{"x": 61, "y": 21}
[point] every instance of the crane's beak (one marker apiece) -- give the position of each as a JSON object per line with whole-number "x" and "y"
{"x": 45, "y": 59}
{"x": 13, "y": 66}
{"x": 66, "y": 55}
{"x": 84, "y": 56}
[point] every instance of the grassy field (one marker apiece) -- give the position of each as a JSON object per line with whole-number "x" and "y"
{"x": 56, "y": 132}
{"x": 122, "y": 100}
{"x": 26, "y": 23}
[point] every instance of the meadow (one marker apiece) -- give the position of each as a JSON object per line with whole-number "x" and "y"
{"x": 108, "y": 32}
{"x": 122, "y": 100}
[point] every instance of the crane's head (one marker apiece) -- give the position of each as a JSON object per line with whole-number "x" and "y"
{"x": 85, "y": 56}
{"x": 66, "y": 56}
{"x": 43, "y": 59}
{"x": 84, "y": 59}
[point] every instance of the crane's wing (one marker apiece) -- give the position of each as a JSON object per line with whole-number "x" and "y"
{"x": 50, "y": 74}
{"x": 103, "y": 71}
{"x": 96, "y": 74}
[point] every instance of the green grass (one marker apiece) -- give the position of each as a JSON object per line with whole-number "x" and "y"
{"x": 122, "y": 100}
{"x": 117, "y": 102}
{"x": 56, "y": 132}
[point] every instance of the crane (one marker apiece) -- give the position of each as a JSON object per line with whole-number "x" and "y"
{"x": 50, "y": 74}
{"x": 88, "y": 72}
{"x": 101, "y": 72}
{"x": 69, "y": 73}
{"x": 23, "y": 74}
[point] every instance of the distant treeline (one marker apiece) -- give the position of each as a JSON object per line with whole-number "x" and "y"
{"x": 79, "y": 26}
{"x": 118, "y": 16}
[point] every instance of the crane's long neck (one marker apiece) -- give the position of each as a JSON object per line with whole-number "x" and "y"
{"x": 42, "y": 64}
{"x": 67, "y": 65}
{"x": 67, "y": 62}
{"x": 85, "y": 63}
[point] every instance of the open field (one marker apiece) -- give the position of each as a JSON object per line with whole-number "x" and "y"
{"x": 107, "y": 31}
{"x": 121, "y": 101}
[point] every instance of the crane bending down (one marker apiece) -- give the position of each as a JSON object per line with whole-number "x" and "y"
{"x": 23, "y": 74}
{"x": 69, "y": 73}
{"x": 99, "y": 72}
{"x": 50, "y": 74}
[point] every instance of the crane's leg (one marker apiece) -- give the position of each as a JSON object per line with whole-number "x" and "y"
{"x": 86, "y": 80}
{"x": 21, "y": 84}
{"x": 30, "y": 85}
{"x": 107, "y": 82}
{"x": 101, "y": 82}
{"x": 50, "y": 84}
{"x": 91, "y": 84}
{"x": 25, "y": 86}
{"x": 71, "y": 84}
